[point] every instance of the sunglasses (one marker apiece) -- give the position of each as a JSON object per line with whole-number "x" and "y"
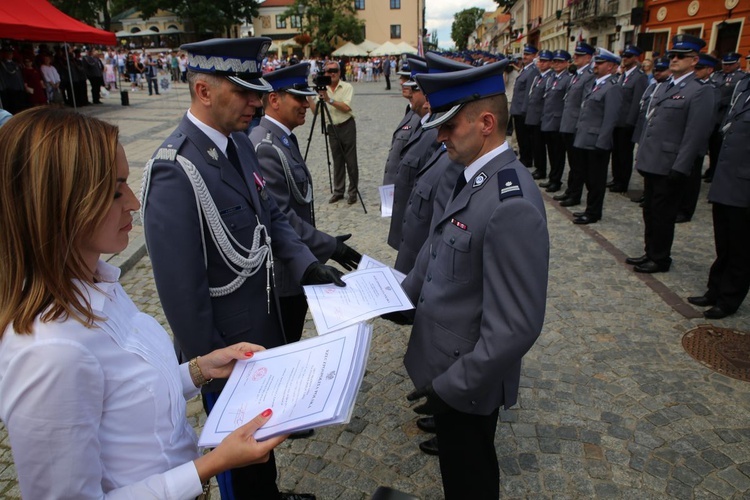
{"x": 679, "y": 55}
{"x": 332, "y": 71}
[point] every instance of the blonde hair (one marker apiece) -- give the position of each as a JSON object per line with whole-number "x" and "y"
{"x": 57, "y": 182}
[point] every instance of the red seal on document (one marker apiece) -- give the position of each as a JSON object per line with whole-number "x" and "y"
{"x": 260, "y": 373}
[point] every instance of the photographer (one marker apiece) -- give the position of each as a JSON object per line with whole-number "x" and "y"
{"x": 342, "y": 132}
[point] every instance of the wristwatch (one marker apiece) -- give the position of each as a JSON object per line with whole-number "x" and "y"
{"x": 330, "y": 101}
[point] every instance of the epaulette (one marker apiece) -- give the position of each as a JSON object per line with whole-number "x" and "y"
{"x": 509, "y": 184}
{"x": 701, "y": 81}
{"x": 169, "y": 148}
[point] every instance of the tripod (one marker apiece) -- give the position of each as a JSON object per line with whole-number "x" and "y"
{"x": 325, "y": 114}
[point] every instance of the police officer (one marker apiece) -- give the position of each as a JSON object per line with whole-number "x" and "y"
{"x": 479, "y": 283}
{"x": 212, "y": 228}
{"x": 599, "y": 111}
{"x": 633, "y": 82}
{"x": 554, "y": 103}
{"x": 661, "y": 74}
{"x": 534, "y": 109}
{"x": 518, "y": 106}
{"x": 289, "y": 182}
{"x": 405, "y": 128}
{"x": 689, "y": 200}
{"x": 729, "y": 277}
{"x": 725, "y": 80}
{"x": 579, "y": 82}
{"x": 678, "y": 123}
{"x": 414, "y": 154}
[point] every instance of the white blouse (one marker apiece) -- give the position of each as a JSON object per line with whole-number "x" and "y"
{"x": 98, "y": 412}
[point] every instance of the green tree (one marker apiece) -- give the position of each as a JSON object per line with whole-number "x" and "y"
{"x": 464, "y": 23}
{"x": 324, "y": 20}
{"x": 86, "y": 11}
{"x": 216, "y": 16}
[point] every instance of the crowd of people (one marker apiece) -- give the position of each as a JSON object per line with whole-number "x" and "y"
{"x": 229, "y": 222}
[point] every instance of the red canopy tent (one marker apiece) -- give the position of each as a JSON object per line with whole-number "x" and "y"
{"x": 38, "y": 20}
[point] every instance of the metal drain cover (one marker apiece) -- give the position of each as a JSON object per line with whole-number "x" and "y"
{"x": 723, "y": 350}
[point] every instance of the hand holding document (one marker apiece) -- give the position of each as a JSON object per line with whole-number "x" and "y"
{"x": 308, "y": 384}
{"x": 368, "y": 293}
{"x": 386, "y": 200}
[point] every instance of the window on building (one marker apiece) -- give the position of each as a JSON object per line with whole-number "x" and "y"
{"x": 629, "y": 38}
{"x": 359, "y": 4}
{"x": 593, "y": 41}
{"x": 727, "y": 36}
{"x": 295, "y": 21}
{"x": 280, "y": 22}
{"x": 611, "y": 40}
{"x": 395, "y": 4}
{"x": 696, "y": 31}
{"x": 661, "y": 39}
{"x": 395, "y": 31}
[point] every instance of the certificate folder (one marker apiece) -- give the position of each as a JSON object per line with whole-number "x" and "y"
{"x": 308, "y": 384}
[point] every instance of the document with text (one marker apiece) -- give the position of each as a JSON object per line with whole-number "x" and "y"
{"x": 368, "y": 262}
{"x": 368, "y": 293}
{"x": 386, "y": 200}
{"x": 308, "y": 384}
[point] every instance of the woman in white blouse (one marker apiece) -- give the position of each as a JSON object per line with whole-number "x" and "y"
{"x": 90, "y": 389}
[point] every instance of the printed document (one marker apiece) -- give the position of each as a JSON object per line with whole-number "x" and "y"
{"x": 368, "y": 293}
{"x": 386, "y": 200}
{"x": 308, "y": 384}
{"x": 368, "y": 262}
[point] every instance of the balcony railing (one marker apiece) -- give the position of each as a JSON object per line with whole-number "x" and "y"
{"x": 591, "y": 10}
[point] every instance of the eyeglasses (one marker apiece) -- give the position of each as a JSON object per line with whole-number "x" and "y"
{"x": 332, "y": 71}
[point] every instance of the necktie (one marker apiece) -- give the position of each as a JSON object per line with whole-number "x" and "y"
{"x": 234, "y": 158}
{"x": 460, "y": 183}
{"x": 671, "y": 84}
{"x": 294, "y": 140}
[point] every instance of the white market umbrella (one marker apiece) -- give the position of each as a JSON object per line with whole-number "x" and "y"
{"x": 385, "y": 49}
{"x": 405, "y": 48}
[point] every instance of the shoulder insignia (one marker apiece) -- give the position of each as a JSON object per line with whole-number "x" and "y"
{"x": 213, "y": 154}
{"x": 285, "y": 140}
{"x": 165, "y": 153}
{"x": 479, "y": 179}
{"x": 509, "y": 184}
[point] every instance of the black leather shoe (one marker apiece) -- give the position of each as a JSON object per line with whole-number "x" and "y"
{"x": 544, "y": 184}
{"x": 682, "y": 218}
{"x": 553, "y": 187}
{"x": 427, "y": 424}
{"x": 335, "y": 198}
{"x": 569, "y": 202}
{"x": 701, "y": 301}
{"x": 638, "y": 200}
{"x": 578, "y": 214}
{"x": 297, "y": 496}
{"x": 560, "y": 197}
{"x": 586, "y": 219}
{"x": 618, "y": 189}
{"x": 537, "y": 174}
{"x": 708, "y": 180}
{"x": 715, "y": 312}
{"x": 302, "y": 434}
{"x": 351, "y": 200}
{"x": 642, "y": 204}
{"x": 636, "y": 261}
{"x": 610, "y": 184}
{"x": 651, "y": 267}
{"x": 430, "y": 446}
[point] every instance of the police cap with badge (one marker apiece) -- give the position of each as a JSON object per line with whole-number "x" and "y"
{"x": 661, "y": 64}
{"x": 603, "y": 55}
{"x": 292, "y": 80}
{"x": 706, "y": 61}
{"x": 449, "y": 92}
{"x": 731, "y": 58}
{"x": 530, "y": 49}
{"x": 561, "y": 55}
{"x": 631, "y": 51}
{"x": 684, "y": 44}
{"x": 545, "y": 55}
{"x": 239, "y": 60}
{"x": 584, "y": 49}
{"x": 439, "y": 64}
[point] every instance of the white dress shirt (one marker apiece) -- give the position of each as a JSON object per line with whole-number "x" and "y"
{"x": 98, "y": 412}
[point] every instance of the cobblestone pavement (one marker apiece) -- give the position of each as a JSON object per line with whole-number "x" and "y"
{"x": 610, "y": 406}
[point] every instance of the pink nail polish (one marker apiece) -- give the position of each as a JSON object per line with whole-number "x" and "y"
{"x": 266, "y": 413}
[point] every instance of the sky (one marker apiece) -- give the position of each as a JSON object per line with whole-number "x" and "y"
{"x": 439, "y": 16}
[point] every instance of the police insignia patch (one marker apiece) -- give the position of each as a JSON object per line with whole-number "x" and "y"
{"x": 479, "y": 179}
{"x": 285, "y": 140}
{"x": 213, "y": 154}
{"x": 509, "y": 184}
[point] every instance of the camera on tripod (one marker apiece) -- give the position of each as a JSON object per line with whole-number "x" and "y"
{"x": 320, "y": 82}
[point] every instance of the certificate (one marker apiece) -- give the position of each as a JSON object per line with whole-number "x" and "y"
{"x": 368, "y": 293}
{"x": 307, "y": 384}
{"x": 386, "y": 200}
{"x": 368, "y": 262}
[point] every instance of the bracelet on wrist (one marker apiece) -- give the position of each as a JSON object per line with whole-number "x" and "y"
{"x": 196, "y": 374}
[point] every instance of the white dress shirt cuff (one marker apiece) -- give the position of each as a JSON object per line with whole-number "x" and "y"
{"x": 183, "y": 481}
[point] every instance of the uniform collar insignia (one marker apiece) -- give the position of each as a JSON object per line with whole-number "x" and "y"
{"x": 479, "y": 179}
{"x": 213, "y": 154}
{"x": 285, "y": 140}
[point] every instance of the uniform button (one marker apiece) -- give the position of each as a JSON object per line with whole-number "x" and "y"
{"x": 440, "y": 230}
{"x": 453, "y": 239}
{"x": 429, "y": 278}
{"x": 421, "y": 299}
{"x": 474, "y": 403}
{"x": 232, "y": 225}
{"x": 456, "y": 353}
{"x": 434, "y": 254}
